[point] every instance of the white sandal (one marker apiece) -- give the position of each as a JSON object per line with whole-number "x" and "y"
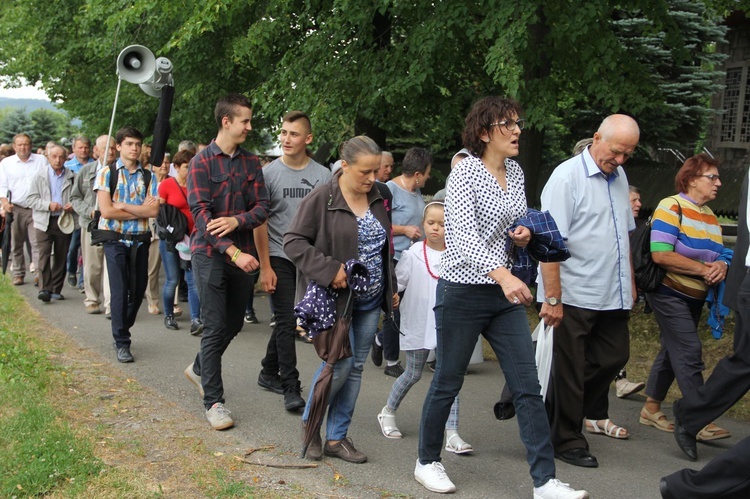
{"x": 387, "y": 421}
{"x": 456, "y": 445}
{"x": 610, "y": 429}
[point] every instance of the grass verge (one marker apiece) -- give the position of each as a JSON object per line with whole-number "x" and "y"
{"x": 40, "y": 452}
{"x": 72, "y": 425}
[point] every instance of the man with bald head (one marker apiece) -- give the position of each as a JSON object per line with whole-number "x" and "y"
{"x": 83, "y": 198}
{"x": 49, "y": 198}
{"x": 587, "y": 298}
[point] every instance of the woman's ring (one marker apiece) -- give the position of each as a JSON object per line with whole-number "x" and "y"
{"x": 515, "y": 300}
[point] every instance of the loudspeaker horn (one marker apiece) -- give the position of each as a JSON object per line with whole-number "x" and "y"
{"x": 161, "y": 77}
{"x": 136, "y": 64}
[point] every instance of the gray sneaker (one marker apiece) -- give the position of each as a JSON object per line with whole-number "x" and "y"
{"x": 219, "y": 417}
{"x": 194, "y": 378}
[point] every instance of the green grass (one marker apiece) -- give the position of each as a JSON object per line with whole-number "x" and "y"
{"x": 39, "y": 452}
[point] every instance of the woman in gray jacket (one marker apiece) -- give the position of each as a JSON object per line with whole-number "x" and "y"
{"x": 338, "y": 221}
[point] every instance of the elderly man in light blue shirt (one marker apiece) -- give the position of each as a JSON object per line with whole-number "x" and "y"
{"x": 587, "y": 298}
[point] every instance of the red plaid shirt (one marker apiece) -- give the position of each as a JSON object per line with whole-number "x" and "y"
{"x": 226, "y": 186}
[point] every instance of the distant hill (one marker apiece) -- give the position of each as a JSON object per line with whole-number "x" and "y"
{"x": 28, "y": 104}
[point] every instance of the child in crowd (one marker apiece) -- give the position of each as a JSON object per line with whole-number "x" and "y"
{"x": 417, "y": 273}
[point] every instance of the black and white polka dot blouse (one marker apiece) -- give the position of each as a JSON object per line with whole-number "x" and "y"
{"x": 478, "y": 214}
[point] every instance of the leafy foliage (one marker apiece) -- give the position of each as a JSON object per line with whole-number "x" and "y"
{"x": 405, "y": 72}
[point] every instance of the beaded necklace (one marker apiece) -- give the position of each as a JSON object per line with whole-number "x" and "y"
{"x": 426, "y": 262}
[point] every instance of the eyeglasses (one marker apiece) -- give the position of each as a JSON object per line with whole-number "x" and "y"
{"x": 510, "y": 125}
{"x": 712, "y": 177}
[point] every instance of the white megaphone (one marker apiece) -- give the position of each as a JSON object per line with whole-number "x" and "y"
{"x": 161, "y": 77}
{"x": 136, "y": 64}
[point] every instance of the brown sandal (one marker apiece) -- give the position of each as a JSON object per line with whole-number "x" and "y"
{"x": 658, "y": 420}
{"x": 712, "y": 432}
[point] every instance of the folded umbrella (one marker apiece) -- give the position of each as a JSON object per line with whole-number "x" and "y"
{"x": 333, "y": 345}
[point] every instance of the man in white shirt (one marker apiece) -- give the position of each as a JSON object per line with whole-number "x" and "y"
{"x": 588, "y": 297}
{"x": 16, "y": 173}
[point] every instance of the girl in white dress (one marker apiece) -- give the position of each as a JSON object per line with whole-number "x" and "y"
{"x": 417, "y": 273}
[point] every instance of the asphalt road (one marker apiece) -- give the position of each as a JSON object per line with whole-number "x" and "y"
{"x": 628, "y": 468}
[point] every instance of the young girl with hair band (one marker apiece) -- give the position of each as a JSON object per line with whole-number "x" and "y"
{"x": 417, "y": 273}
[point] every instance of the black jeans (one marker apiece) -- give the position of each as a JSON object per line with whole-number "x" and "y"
{"x": 223, "y": 290}
{"x": 124, "y": 306}
{"x": 281, "y": 353}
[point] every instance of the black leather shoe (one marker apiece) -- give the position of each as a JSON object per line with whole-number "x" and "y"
{"x": 44, "y": 296}
{"x": 664, "y": 489}
{"x": 377, "y": 353}
{"x": 124, "y": 355}
{"x": 578, "y": 457}
{"x": 684, "y": 439}
{"x": 170, "y": 323}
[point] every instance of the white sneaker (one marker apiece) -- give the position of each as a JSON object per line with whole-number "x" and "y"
{"x": 194, "y": 378}
{"x": 626, "y": 388}
{"x": 219, "y": 417}
{"x": 434, "y": 478}
{"x": 555, "y": 489}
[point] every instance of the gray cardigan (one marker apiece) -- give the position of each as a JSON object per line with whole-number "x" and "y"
{"x": 323, "y": 236}
{"x": 40, "y": 197}
{"x": 83, "y": 196}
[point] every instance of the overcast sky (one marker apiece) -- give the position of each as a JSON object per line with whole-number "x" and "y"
{"x": 27, "y": 92}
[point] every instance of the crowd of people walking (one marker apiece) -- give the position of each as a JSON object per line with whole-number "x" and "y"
{"x": 369, "y": 268}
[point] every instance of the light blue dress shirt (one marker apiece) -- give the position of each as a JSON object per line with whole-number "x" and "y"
{"x": 593, "y": 214}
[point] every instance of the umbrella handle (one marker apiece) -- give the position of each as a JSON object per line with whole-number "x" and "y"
{"x": 349, "y": 304}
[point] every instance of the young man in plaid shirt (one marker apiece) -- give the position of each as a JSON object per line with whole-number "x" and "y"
{"x": 228, "y": 199}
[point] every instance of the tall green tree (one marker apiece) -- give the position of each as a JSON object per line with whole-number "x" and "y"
{"x": 17, "y": 121}
{"x": 405, "y": 72}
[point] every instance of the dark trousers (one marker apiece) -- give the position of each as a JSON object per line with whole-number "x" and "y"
{"x": 75, "y": 245}
{"x": 681, "y": 350}
{"x": 590, "y": 347}
{"x": 725, "y": 476}
{"x": 124, "y": 304}
{"x": 223, "y": 290}
{"x": 52, "y": 267}
{"x": 730, "y": 379}
{"x": 462, "y": 313}
{"x": 281, "y": 353}
{"x": 389, "y": 336}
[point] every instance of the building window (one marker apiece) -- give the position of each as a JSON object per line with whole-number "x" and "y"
{"x": 735, "y": 120}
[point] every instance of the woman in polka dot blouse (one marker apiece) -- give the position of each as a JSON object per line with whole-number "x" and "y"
{"x": 477, "y": 294}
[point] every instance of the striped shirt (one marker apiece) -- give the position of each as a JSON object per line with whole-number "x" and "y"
{"x": 130, "y": 190}
{"x": 698, "y": 237}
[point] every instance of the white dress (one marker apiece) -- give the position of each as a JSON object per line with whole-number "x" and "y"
{"x": 417, "y": 316}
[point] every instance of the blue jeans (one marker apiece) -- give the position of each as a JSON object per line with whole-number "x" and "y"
{"x": 462, "y": 313}
{"x": 72, "y": 255}
{"x": 171, "y": 261}
{"x": 347, "y": 375}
